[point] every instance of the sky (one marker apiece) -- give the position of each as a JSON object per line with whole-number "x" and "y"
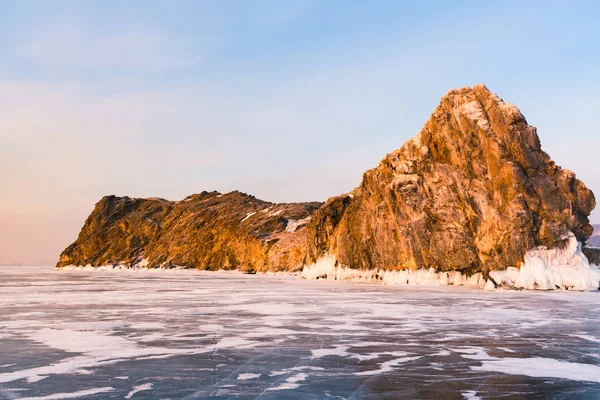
{"x": 285, "y": 100}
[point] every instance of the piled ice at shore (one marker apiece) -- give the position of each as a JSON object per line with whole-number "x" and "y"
{"x": 547, "y": 269}
{"x": 542, "y": 269}
{"x": 326, "y": 268}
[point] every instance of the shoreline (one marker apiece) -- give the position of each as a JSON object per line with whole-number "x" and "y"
{"x": 413, "y": 278}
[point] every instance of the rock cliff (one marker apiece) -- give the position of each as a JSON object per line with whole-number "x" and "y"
{"x": 472, "y": 192}
{"x": 207, "y": 231}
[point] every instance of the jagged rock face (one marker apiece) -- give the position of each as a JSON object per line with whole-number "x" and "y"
{"x": 473, "y": 191}
{"x": 206, "y": 231}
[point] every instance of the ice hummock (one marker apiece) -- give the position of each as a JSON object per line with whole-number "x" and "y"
{"x": 542, "y": 269}
{"x": 328, "y": 268}
{"x": 556, "y": 268}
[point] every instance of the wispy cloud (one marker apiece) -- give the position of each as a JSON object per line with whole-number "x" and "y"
{"x": 73, "y": 45}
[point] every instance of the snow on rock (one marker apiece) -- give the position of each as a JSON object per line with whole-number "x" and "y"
{"x": 292, "y": 224}
{"x": 474, "y": 111}
{"x": 328, "y": 268}
{"x": 142, "y": 264}
{"x": 276, "y": 213}
{"x": 248, "y": 216}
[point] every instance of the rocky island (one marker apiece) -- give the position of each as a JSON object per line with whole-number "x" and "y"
{"x": 472, "y": 198}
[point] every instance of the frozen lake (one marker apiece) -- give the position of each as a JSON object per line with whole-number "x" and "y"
{"x": 190, "y": 334}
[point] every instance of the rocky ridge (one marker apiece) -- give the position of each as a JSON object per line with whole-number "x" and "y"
{"x": 208, "y": 231}
{"x": 473, "y": 192}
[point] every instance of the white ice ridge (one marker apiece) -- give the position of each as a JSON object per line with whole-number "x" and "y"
{"x": 326, "y": 268}
{"x": 543, "y": 269}
{"x": 547, "y": 269}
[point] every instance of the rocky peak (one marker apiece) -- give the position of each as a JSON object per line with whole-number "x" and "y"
{"x": 473, "y": 191}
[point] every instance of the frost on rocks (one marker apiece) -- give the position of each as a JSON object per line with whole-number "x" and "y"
{"x": 327, "y": 268}
{"x": 248, "y": 216}
{"x": 543, "y": 269}
{"x": 547, "y": 269}
{"x": 292, "y": 225}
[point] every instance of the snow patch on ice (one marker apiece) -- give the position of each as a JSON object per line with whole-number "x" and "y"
{"x": 297, "y": 378}
{"x": 538, "y": 367}
{"x": 139, "y": 388}
{"x": 72, "y": 395}
{"x": 247, "y": 376}
{"x": 586, "y": 337}
{"x": 96, "y": 348}
{"x": 470, "y": 395}
{"x": 37, "y": 378}
{"x": 340, "y": 351}
{"x": 290, "y": 383}
{"x": 474, "y": 353}
{"x": 387, "y": 366}
{"x": 289, "y": 370}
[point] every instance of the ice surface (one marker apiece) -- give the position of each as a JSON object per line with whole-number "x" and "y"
{"x": 194, "y": 334}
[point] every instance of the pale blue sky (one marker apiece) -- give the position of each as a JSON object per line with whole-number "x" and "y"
{"x": 289, "y": 101}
